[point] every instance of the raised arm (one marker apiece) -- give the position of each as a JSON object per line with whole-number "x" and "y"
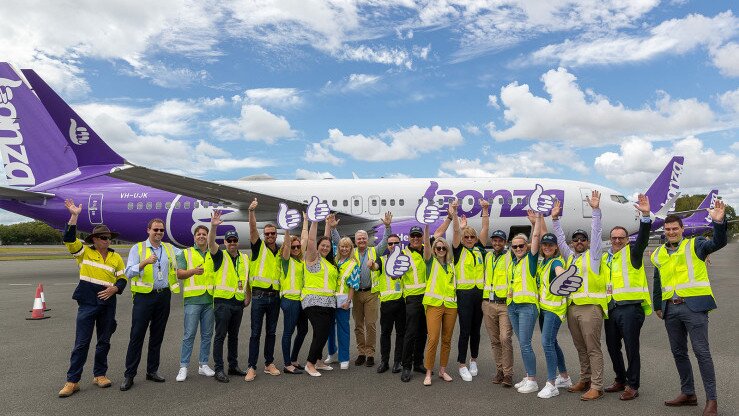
{"x": 427, "y": 249}
{"x": 645, "y": 227}
{"x": 304, "y": 233}
{"x": 311, "y": 251}
{"x": 557, "y": 228}
{"x": 536, "y": 234}
{"x": 456, "y": 230}
{"x": 387, "y": 221}
{"x": 596, "y": 231}
{"x": 70, "y": 235}
{"x": 286, "y": 246}
{"x": 253, "y": 232}
{"x": 215, "y": 221}
{"x": 485, "y": 214}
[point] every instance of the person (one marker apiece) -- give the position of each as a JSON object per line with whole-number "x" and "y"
{"x": 152, "y": 270}
{"x": 523, "y": 303}
{"x": 440, "y": 300}
{"x": 366, "y": 300}
{"x": 683, "y": 297}
{"x": 553, "y": 312}
{"x": 197, "y": 291}
{"x": 587, "y": 307}
{"x": 347, "y": 285}
{"x": 392, "y": 309}
{"x": 494, "y": 310}
{"x": 264, "y": 282}
{"x": 230, "y": 271}
{"x": 291, "y": 284}
{"x": 318, "y": 296}
{"x": 101, "y": 277}
{"x": 629, "y": 301}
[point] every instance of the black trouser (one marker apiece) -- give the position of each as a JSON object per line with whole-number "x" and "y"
{"x": 150, "y": 310}
{"x": 469, "y": 310}
{"x": 414, "y": 341}
{"x": 320, "y": 318}
{"x": 625, "y": 322}
{"x": 392, "y": 312}
{"x": 228, "y": 316}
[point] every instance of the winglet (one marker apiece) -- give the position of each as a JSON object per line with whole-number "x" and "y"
{"x": 665, "y": 210}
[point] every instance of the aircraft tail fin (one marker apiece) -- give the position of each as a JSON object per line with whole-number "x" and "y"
{"x": 701, "y": 215}
{"x": 32, "y": 148}
{"x": 87, "y": 146}
{"x": 667, "y": 184}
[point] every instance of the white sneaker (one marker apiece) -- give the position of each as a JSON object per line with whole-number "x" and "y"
{"x": 529, "y": 386}
{"x": 182, "y": 375}
{"x": 329, "y": 359}
{"x": 204, "y": 370}
{"x": 548, "y": 391}
{"x": 520, "y": 383}
{"x": 344, "y": 365}
{"x": 465, "y": 373}
{"x": 473, "y": 368}
{"x": 562, "y": 383}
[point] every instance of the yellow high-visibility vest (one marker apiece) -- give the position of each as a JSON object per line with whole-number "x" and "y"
{"x": 144, "y": 282}
{"x": 441, "y": 287}
{"x": 627, "y": 282}
{"x": 682, "y": 272}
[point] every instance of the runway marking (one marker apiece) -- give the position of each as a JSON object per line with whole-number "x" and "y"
{"x": 19, "y": 284}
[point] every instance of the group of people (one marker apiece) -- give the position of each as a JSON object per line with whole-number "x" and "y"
{"x": 319, "y": 280}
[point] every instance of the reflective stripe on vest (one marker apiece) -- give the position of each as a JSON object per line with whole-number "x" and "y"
{"x": 494, "y": 268}
{"x": 346, "y": 270}
{"x": 259, "y": 274}
{"x": 224, "y": 286}
{"x": 475, "y": 266}
{"x": 432, "y": 290}
{"x": 627, "y": 282}
{"x": 96, "y": 281}
{"x": 309, "y": 283}
{"x": 189, "y": 284}
{"x": 414, "y": 286}
{"x": 145, "y": 280}
{"x": 292, "y": 289}
{"x": 525, "y": 295}
{"x": 696, "y": 284}
{"x": 387, "y": 286}
{"x": 549, "y": 301}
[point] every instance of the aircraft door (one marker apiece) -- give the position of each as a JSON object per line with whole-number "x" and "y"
{"x": 587, "y": 212}
{"x": 373, "y": 204}
{"x": 357, "y": 205}
{"x": 95, "y": 208}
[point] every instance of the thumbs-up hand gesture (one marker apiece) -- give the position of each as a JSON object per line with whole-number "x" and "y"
{"x": 397, "y": 263}
{"x": 566, "y": 283}
{"x": 287, "y": 219}
{"x": 427, "y": 212}
{"x": 317, "y": 210}
{"x": 539, "y": 201}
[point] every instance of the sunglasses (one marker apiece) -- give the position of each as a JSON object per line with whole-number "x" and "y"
{"x": 232, "y": 240}
{"x": 103, "y": 237}
{"x": 392, "y": 243}
{"x": 579, "y": 240}
{"x": 440, "y": 248}
{"x": 158, "y": 230}
{"x": 518, "y": 246}
{"x": 470, "y": 236}
{"x": 295, "y": 247}
{"x": 270, "y": 234}
{"x": 416, "y": 235}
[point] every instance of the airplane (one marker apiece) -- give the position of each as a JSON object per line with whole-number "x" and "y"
{"x": 50, "y": 154}
{"x": 698, "y": 223}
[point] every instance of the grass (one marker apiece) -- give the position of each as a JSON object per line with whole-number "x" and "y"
{"x": 56, "y": 252}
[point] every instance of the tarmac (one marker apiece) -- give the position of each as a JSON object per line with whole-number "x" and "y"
{"x": 37, "y": 357}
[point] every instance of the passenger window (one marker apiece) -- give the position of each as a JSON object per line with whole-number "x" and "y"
{"x": 197, "y": 204}
{"x": 168, "y": 205}
{"x": 178, "y": 205}
{"x": 149, "y": 205}
{"x": 500, "y": 200}
{"x": 392, "y": 202}
{"x": 139, "y": 205}
{"x": 130, "y": 206}
{"x": 334, "y": 203}
{"x": 187, "y": 205}
{"x": 471, "y": 201}
{"x": 383, "y": 202}
{"x": 519, "y": 200}
{"x": 356, "y": 202}
{"x": 159, "y": 205}
{"x": 346, "y": 203}
{"x": 401, "y": 202}
{"x": 374, "y": 202}
{"x": 206, "y": 204}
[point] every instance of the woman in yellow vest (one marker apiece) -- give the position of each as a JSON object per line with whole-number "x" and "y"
{"x": 440, "y": 300}
{"x": 291, "y": 284}
{"x": 318, "y": 295}
{"x": 523, "y": 305}
{"x": 553, "y": 310}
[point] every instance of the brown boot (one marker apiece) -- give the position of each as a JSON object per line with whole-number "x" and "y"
{"x": 507, "y": 381}
{"x": 683, "y": 400}
{"x": 69, "y": 389}
{"x": 616, "y": 386}
{"x": 711, "y": 408}
{"x": 629, "y": 394}
{"x": 592, "y": 394}
{"x": 102, "y": 381}
{"x": 579, "y": 387}
{"x": 498, "y": 377}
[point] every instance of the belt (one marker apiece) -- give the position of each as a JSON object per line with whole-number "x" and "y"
{"x": 264, "y": 292}
{"x": 161, "y": 290}
{"x": 498, "y": 301}
{"x": 677, "y": 301}
{"x": 364, "y": 290}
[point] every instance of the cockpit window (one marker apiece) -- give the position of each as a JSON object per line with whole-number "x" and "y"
{"x": 620, "y": 199}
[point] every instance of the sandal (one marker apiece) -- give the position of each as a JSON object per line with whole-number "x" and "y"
{"x": 427, "y": 381}
{"x": 294, "y": 371}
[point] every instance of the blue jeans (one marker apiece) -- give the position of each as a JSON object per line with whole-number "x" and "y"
{"x": 292, "y": 317}
{"x": 263, "y": 306}
{"x": 340, "y": 327}
{"x": 89, "y": 318}
{"x": 549, "y": 324}
{"x": 523, "y": 319}
{"x": 197, "y": 314}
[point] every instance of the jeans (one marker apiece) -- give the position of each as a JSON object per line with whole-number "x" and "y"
{"x": 194, "y": 314}
{"x": 150, "y": 311}
{"x": 292, "y": 317}
{"x": 681, "y": 323}
{"x": 340, "y": 330}
{"x": 469, "y": 312}
{"x": 90, "y": 317}
{"x": 263, "y": 304}
{"x": 625, "y": 322}
{"x": 523, "y": 319}
{"x": 414, "y": 341}
{"x": 549, "y": 324}
{"x": 228, "y": 314}
{"x": 320, "y": 318}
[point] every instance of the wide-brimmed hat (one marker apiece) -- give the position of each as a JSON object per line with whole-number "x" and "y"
{"x": 100, "y": 230}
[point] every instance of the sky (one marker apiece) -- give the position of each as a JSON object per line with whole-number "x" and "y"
{"x": 605, "y": 91}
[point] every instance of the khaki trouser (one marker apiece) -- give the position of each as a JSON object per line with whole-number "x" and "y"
{"x": 440, "y": 320}
{"x": 365, "y": 308}
{"x": 495, "y": 317}
{"x": 586, "y": 324}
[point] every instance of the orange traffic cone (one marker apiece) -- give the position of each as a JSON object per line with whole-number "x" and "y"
{"x": 43, "y": 298}
{"x": 38, "y": 306}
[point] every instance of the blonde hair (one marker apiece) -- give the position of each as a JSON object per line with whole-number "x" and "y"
{"x": 469, "y": 231}
{"x": 294, "y": 238}
{"x": 449, "y": 258}
{"x": 521, "y": 236}
{"x": 344, "y": 241}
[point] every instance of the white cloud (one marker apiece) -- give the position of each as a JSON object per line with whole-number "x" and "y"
{"x": 676, "y": 36}
{"x": 397, "y": 175}
{"x": 309, "y": 174}
{"x": 274, "y": 97}
{"x": 726, "y": 59}
{"x": 538, "y": 159}
{"x": 317, "y": 153}
{"x": 380, "y": 55}
{"x": 730, "y": 100}
{"x": 638, "y": 162}
{"x": 407, "y": 143}
{"x": 578, "y": 118}
{"x": 361, "y": 81}
{"x": 493, "y": 102}
{"x": 171, "y": 117}
{"x": 472, "y": 129}
{"x": 254, "y": 123}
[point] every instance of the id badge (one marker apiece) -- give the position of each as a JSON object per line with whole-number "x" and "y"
{"x": 160, "y": 276}
{"x": 397, "y": 286}
{"x": 492, "y": 295}
{"x": 510, "y": 294}
{"x": 241, "y": 286}
{"x": 609, "y": 289}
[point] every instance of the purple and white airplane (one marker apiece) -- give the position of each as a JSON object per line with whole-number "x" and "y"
{"x": 50, "y": 154}
{"x": 698, "y": 223}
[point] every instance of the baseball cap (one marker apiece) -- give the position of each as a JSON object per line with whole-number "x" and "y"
{"x": 415, "y": 230}
{"x": 231, "y": 234}
{"x": 549, "y": 238}
{"x": 499, "y": 234}
{"x": 578, "y": 231}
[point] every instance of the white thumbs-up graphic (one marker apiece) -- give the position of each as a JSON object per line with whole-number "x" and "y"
{"x": 317, "y": 210}
{"x": 566, "y": 283}
{"x": 397, "y": 263}
{"x": 78, "y": 135}
{"x": 539, "y": 201}
{"x": 287, "y": 219}
{"x": 427, "y": 213}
